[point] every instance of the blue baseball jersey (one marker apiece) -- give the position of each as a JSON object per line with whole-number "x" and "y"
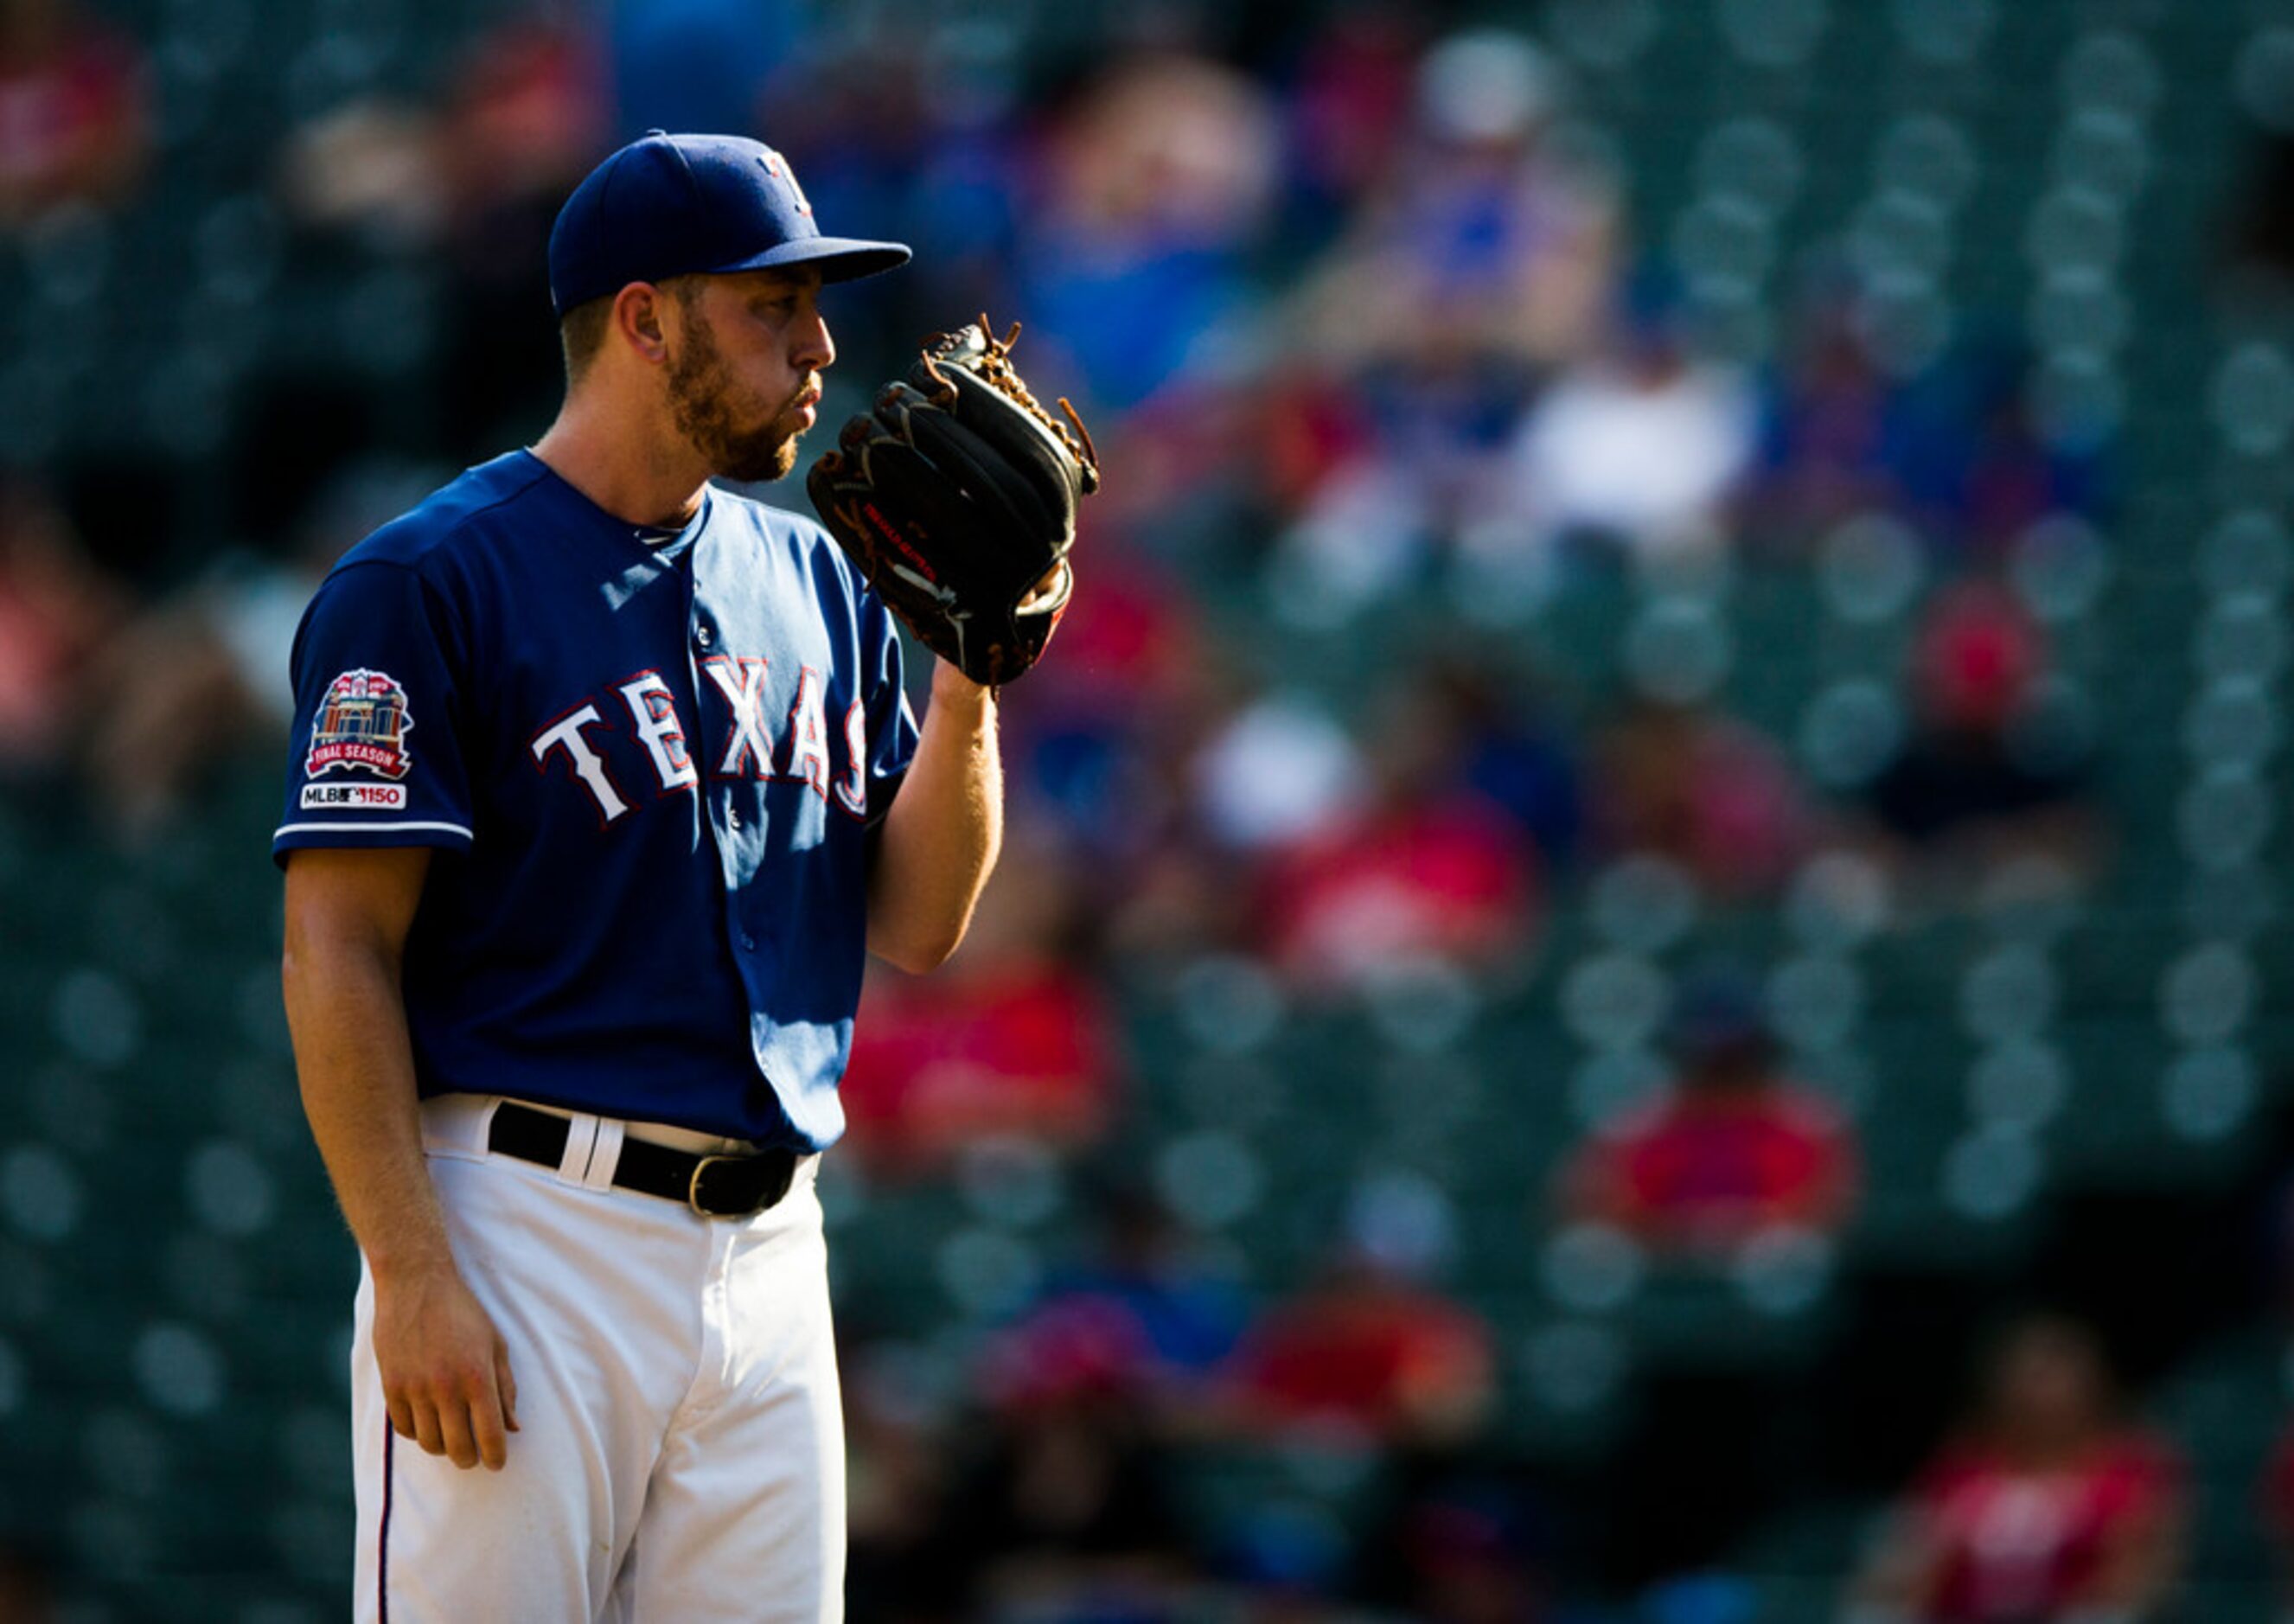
{"x": 648, "y": 764}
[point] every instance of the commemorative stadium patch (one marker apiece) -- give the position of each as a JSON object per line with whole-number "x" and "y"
{"x": 362, "y": 727}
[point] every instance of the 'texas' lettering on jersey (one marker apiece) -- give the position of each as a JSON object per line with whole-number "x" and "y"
{"x": 641, "y": 708}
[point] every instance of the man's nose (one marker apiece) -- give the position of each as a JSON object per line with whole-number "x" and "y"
{"x": 815, "y": 349}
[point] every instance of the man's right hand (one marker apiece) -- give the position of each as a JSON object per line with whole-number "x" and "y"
{"x": 445, "y": 1370}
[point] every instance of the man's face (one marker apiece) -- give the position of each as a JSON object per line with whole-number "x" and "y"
{"x": 745, "y": 379}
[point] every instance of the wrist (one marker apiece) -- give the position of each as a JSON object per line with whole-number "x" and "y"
{"x": 950, "y": 686}
{"x": 412, "y": 1266}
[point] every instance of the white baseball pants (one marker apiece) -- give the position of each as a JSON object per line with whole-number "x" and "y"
{"x": 681, "y": 1457}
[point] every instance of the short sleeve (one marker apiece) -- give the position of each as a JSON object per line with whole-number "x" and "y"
{"x": 374, "y": 758}
{"x": 892, "y": 723}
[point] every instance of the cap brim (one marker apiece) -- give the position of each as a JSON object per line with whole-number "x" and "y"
{"x": 839, "y": 258}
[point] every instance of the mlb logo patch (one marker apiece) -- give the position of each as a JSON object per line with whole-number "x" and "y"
{"x": 354, "y": 797}
{"x": 362, "y": 725}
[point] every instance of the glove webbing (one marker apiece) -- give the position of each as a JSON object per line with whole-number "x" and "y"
{"x": 996, "y": 368}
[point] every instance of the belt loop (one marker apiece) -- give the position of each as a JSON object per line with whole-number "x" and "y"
{"x": 581, "y": 1140}
{"x": 606, "y": 1154}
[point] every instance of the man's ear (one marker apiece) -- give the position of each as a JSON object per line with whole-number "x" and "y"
{"x": 639, "y": 317}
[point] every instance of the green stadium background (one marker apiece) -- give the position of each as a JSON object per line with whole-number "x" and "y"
{"x": 267, "y": 269}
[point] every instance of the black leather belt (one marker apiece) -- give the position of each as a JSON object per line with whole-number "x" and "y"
{"x": 715, "y": 1187}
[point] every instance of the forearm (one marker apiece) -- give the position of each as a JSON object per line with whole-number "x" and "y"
{"x": 942, "y": 835}
{"x": 352, "y": 1053}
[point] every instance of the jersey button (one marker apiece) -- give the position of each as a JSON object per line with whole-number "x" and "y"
{"x": 732, "y": 817}
{"x": 701, "y": 634}
{"x": 748, "y": 943}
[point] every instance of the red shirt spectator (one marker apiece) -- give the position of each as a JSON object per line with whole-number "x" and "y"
{"x": 1013, "y": 1036}
{"x": 1704, "y": 790}
{"x": 1450, "y": 878}
{"x": 2052, "y": 1507}
{"x": 2015, "y": 1543}
{"x": 1370, "y": 1354}
{"x": 1712, "y": 1167}
{"x": 1026, "y": 1048}
{"x": 1734, "y": 1149}
{"x": 73, "y": 108}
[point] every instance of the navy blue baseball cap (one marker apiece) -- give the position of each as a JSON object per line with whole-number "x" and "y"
{"x": 668, "y": 206}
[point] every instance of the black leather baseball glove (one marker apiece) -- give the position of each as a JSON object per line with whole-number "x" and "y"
{"x": 956, "y": 496}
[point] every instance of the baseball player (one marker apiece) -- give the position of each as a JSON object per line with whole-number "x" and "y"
{"x": 602, "y": 783}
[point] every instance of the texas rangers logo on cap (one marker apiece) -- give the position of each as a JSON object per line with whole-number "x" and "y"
{"x": 361, "y": 723}
{"x": 777, "y": 168}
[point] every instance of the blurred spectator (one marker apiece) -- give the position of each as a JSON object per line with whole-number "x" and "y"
{"x": 899, "y": 1472}
{"x": 366, "y": 169}
{"x": 1702, "y": 790}
{"x": 1968, "y": 457}
{"x": 896, "y": 118}
{"x": 175, "y": 692}
{"x": 1159, "y": 177}
{"x": 2019, "y": 473}
{"x": 1423, "y": 867}
{"x": 1091, "y": 751}
{"x": 1482, "y": 244}
{"x": 697, "y": 64}
{"x": 1481, "y": 261}
{"x": 2050, "y": 1506}
{"x": 1013, "y": 1036}
{"x": 1828, "y": 445}
{"x": 1637, "y": 448}
{"x": 1185, "y": 1316}
{"x": 2274, "y": 1498}
{"x": 1281, "y": 769}
{"x": 74, "y": 108}
{"x": 474, "y": 184}
{"x": 1957, "y": 447}
{"x": 1349, "y": 105}
{"x": 1067, "y": 1504}
{"x": 520, "y": 129}
{"x": 1467, "y": 1547}
{"x": 1987, "y": 771}
{"x": 1732, "y": 1149}
{"x": 1495, "y": 726}
{"x": 1373, "y": 1354}
{"x": 222, "y": 643}
{"x": 59, "y": 611}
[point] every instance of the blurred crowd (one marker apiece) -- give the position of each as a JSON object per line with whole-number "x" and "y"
{"x": 1360, "y": 326}
{"x": 1356, "y": 325}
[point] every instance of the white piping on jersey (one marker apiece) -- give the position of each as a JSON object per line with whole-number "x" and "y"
{"x": 304, "y": 829}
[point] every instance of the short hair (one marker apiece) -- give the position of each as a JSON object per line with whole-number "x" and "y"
{"x": 582, "y": 334}
{"x": 582, "y": 330}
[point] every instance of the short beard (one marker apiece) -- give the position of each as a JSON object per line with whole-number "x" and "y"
{"x": 702, "y": 398}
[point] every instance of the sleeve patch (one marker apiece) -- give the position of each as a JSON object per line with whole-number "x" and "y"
{"x": 354, "y": 797}
{"x": 362, "y": 727}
